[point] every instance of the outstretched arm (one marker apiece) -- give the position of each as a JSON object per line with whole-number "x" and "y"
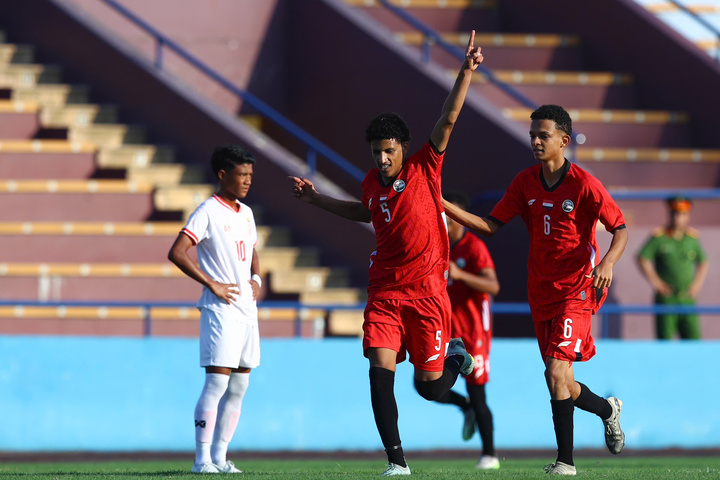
{"x": 481, "y": 225}
{"x": 453, "y": 104}
{"x": 603, "y": 271}
{"x": 305, "y": 191}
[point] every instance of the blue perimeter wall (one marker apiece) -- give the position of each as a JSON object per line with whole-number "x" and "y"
{"x": 122, "y": 394}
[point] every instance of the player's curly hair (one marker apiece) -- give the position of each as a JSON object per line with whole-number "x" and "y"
{"x": 557, "y": 114}
{"x": 226, "y": 157}
{"x": 461, "y": 199}
{"x": 387, "y": 126}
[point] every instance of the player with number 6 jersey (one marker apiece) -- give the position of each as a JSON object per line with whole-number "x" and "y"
{"x": 561, "y": 205}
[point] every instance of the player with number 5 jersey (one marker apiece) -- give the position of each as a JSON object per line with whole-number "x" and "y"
{"x": 561, "y": 205}
{"x": 408, "y": 310}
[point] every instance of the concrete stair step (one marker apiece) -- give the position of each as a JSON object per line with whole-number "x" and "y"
{"x": 126, "y": 156}
{"x": 184, "y": 198}
{"x": 108, "y": 135}
{"x": 281, "y": 259}
{"x": 13, "y": 53}
{"x": 16, "y": 75}
{"x": 308, "y": 279}
{"x": 75, "y": 200}
{"x": 507, "y": 50}
{"x": 621, "y": 128}
{"x": 345, "y": 323}
{"x": 163, "y": 174}
{"x": 121, "y": 242}
{"x": 333, "y": 296}
{"x": 52, "y": 95}
{"x": 77, "y": 115}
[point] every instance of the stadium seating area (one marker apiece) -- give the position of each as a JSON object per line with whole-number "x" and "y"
{"x": 83, "y": 195}
{"x": 93, "y": 204}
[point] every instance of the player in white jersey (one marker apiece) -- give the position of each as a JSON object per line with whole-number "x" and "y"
{"x": 223, "y": 230}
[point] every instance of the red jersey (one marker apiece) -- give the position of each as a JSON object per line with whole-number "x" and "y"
{"x": 411, "y": 259}
{"x": 470, "y": 308}
{"x": 561, "y": 222}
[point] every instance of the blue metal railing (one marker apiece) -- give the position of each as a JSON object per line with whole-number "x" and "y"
{"x": 314, "y": 145}
{"x": 699, "y": 19}
{"x": 433, "y": 37}
{"x": 628, "y": 194}
{"x": 502, "y": 308}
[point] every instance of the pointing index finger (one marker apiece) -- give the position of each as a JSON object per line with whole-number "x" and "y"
{"x": 471, "y": 41}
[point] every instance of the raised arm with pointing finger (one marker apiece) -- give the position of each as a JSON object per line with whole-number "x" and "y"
{"x": 408, "y": 309}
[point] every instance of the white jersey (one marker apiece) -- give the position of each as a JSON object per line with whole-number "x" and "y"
{"x": 225, "y": 241}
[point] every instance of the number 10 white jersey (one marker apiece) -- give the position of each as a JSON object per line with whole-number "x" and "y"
{"x": 225, "y": 241}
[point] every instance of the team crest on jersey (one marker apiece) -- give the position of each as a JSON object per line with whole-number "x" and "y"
{"x": 399, "y": 185}
{"x": 461, "y": 262}
{"x": 568, "y": 206}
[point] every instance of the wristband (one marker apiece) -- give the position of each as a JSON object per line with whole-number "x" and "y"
{"x": 257, "y": 279}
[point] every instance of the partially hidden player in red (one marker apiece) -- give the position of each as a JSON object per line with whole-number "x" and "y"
{"x": 561, "y": 204}
{"x": 408, "y": 308}
{"x": 472, "y": 280}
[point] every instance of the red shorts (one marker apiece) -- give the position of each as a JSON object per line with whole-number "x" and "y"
{"x": 421, "y": 326}
{"x": 567, "y": 336}
{"x": 481, "y": 353}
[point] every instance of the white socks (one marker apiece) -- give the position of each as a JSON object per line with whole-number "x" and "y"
{"x": 206, "y": 411}
{"x": 228, "y": 416}
{"x": 216, "y": 415}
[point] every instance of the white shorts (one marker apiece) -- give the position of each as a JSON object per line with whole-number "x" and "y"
{"x": 225, "y": 341}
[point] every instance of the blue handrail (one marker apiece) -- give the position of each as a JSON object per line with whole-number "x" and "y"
{"x": 500, "y": 308}
{"x": 430, "y": 33}
{"x": 699, "y": 19}
{"x": 628, "y": 194}
{"x": 314, "y": 145}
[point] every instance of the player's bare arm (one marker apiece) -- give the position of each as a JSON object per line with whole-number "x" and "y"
{"x": 454, "y": 102}
{"x": 486, "y": 281}
{"x": 255, "y": 270}
{"x": 305, "y": 190}
{"x": 602, "y": 273}
{"x": 179, "y": 256}
{"x": 481, "y": 225}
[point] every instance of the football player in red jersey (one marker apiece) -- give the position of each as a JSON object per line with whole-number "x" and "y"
{"x": 561, "y": 204}
{"x": 408, "y": 309}
{"x": 472, "y": 281}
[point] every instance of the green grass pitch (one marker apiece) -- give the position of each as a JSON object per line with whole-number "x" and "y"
{"x": 628, "y": 468}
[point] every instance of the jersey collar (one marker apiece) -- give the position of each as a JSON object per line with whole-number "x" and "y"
{"x": 565, "y": 170}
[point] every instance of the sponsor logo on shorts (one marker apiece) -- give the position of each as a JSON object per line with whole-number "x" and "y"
{"x": 564, "y": 344}
{"x": 434, "y": 357}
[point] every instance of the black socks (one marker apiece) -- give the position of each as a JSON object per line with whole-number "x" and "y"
{"x": 592, "y": 403}
{"x": 382, "y": 396}
{"x": 563, "y": 421}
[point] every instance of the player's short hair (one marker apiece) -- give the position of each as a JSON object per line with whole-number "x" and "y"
{"x": 461, "y": 199}
{"x": 387, "y": 126}
{"x": 557, "y": 114}
{"x": 226, "y": 157}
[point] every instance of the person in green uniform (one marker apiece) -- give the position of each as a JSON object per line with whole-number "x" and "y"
{"x": 675, "y": 264}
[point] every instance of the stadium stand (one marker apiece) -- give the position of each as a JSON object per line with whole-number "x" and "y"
{"x": 642, "y": 130}
{"x": 71, "y": 234}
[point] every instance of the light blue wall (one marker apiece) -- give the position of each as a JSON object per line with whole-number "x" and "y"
{"x": 107, "y": 394}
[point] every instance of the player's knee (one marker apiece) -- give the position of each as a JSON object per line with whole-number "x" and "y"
{"x": 431, "y": 390}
